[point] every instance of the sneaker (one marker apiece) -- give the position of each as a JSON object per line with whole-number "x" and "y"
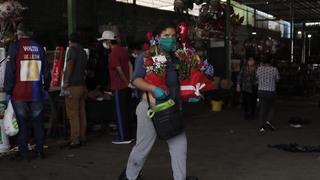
{"x": 296, "y": 125}
{"x": 74, "y": 145}
{"x": 122, "y": 142}
{"x": 262, "y": 130}
{"x": 270, "y": 126}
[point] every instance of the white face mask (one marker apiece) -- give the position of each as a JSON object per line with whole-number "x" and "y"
{"x": 105, "y": 45}
{"x": 134, "y": 55}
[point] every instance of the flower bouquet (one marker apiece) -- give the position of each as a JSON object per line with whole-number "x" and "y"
{"x": 155, "y": 65}
{"x": 194, "y": 74}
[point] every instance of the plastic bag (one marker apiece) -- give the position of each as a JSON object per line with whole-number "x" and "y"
{"x": 10, "y": 121}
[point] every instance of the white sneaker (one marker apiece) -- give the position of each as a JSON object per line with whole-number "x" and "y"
{"x": 262, "y": 130}
{"x": 270, "y": 126}
{"x": 122, "y": 142}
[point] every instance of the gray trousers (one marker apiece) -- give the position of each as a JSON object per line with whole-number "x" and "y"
{"x": 267, "y": 107}
{"x": 146, "y": 136}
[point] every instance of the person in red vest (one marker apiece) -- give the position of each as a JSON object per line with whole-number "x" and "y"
{"x": 27, "y": 80}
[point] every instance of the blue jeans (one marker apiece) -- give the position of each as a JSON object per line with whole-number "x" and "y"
{"x": 29, "y": 111}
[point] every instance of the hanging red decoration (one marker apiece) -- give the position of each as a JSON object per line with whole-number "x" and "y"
{"x": 183, "y": 32}
{"x": 149, "y": 36}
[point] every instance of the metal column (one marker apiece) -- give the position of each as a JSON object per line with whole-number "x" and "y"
{"x": 72, "y": 16}
{"x": 303, "y": 58}
{"x": 292, "y": 31}
{"x": 303, "y": 54}
{"x": 228, "y": 41}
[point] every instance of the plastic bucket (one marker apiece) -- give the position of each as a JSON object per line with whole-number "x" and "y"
{"x": 216, "y": 106}
{"x": 4, "y": 140}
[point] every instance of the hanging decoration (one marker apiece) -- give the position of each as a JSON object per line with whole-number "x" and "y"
{"x": 257, "y": 47}
{"x": 10, "y": 15}
{"x": 181, "y": 6}
{"x": 212, "y": 21}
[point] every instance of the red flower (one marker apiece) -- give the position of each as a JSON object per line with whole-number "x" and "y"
{"x": 145, "y": 46}
{"x": 201, "y": 65}
{"x": 149, "y": 62}
{"x": 148, "y": 54}
{"x": 189, "y": 53}
{"x": 149, "y": 36}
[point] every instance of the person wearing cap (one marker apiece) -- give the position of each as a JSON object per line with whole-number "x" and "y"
{"x": 74, "y": 83}
{"x": 120, "y": 70}
{"x": 27, "y": 80}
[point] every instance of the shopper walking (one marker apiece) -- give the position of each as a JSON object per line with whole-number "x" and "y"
{"x": 247, "y": 85}
{"x": 267, "y": 76}
{"x": 27, "y": 80}
{"x": 146, "y": 134}
{"x": 120, "y": 70}
{"x": 74, "y": 83}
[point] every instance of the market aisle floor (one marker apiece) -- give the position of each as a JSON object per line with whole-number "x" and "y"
{"x": 222, "y": 146}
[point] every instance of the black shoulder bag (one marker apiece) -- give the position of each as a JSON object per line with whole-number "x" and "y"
{"x": 167, "y": 119}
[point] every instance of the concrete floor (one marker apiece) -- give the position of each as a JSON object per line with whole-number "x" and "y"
{"x": 221, "y": 146}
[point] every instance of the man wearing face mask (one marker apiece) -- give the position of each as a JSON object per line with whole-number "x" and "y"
{"x": 136, "y": 50}
{"x": 146, "y": 134}
{"x": 120, "y": 70}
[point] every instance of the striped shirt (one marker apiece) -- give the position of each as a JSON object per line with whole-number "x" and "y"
{"x": 267, "y": 78}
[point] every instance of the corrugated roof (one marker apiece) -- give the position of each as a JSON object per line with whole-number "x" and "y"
{"x": 303, "y": 10}
{"x": 161, "y": 4}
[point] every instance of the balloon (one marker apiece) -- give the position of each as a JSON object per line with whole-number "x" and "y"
{"x": 183, "y": 32}
{"x": 149, "y": 36}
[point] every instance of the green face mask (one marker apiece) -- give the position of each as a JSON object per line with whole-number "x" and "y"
{"x": 168, "y": 44}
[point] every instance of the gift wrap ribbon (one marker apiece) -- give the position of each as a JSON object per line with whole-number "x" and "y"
{"x": 160, "y": 107}
{"x": 195, "y": 88}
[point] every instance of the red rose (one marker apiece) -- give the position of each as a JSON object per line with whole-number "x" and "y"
{"x": 145, "y": 46}
{"x": 189, "y": 53}
{"x": 148, "y": 53}
{"x": 149, "y": 62}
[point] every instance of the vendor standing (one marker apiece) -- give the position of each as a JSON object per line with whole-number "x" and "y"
{"x": 74, "y": 83}
{"x": 27, "y": 80}
{"x": 120, "y": 70}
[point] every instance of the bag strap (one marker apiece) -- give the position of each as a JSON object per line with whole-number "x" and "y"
{"x": 148, "y": 99}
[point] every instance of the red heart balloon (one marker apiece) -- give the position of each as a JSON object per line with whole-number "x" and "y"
{"x": 183, "y": 32}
